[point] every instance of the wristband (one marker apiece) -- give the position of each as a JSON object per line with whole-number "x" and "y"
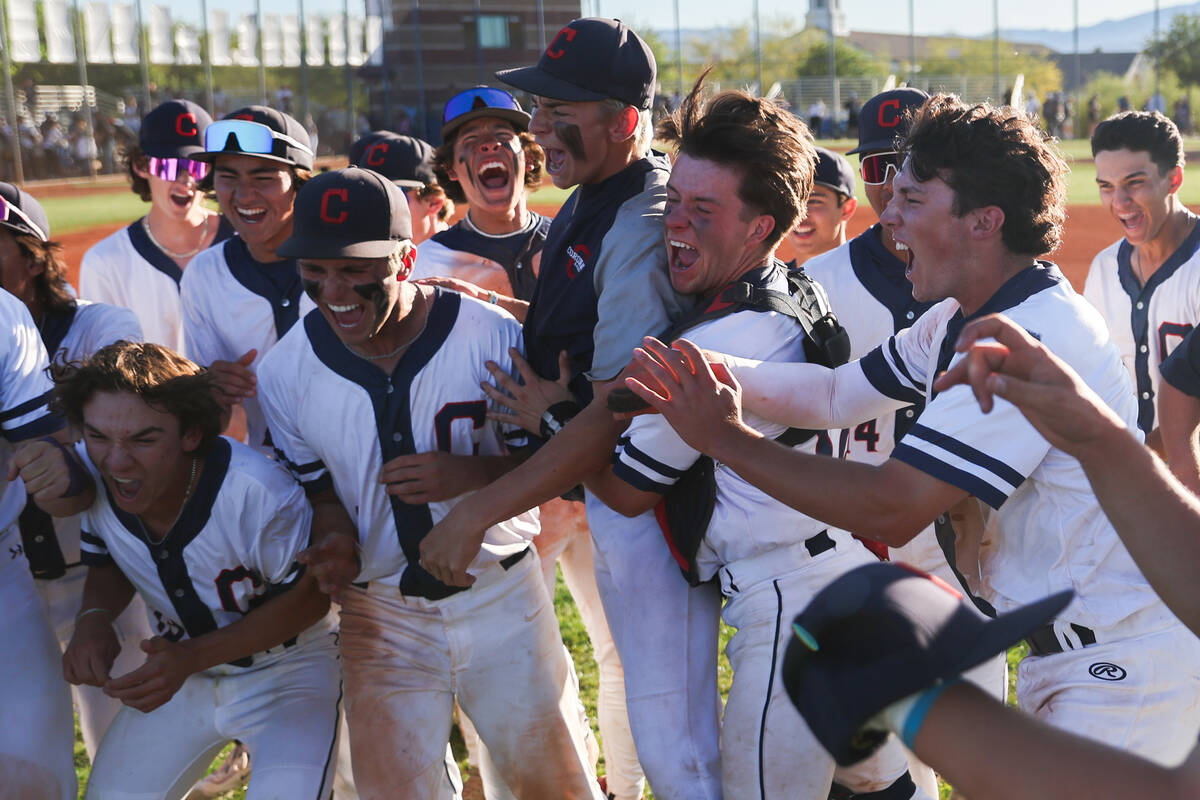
{"x": 77, "y": 476}
{"x": 905, "y": 717}
{"x": 87, "y": 611}
{"x": 557, "y": 416}
{"x": 493, "y": 298}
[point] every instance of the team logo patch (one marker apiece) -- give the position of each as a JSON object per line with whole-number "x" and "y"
{"x": 1107, "y": 671}
{"x": 578, "y": 255}
{"x": 558, "y": 44}
{"x": 185, "y": 124}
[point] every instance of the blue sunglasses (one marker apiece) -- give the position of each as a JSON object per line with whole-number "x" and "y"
{"x": 244, "y": 136}
{"x": 476, "y": 99}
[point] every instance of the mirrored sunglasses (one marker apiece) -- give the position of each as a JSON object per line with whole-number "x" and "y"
{"x": 477, "y": 98}
{"x": 16, "y": 217}
{"x": 171, "y": 168}
{"x": 874, "y": 167}
{"x": 244, "y": 136}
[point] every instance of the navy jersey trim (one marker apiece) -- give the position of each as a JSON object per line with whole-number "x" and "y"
{"x": 1139, "y": 319}
{"x": 42, "y": 426}
{"x": 883, "y": 276}
{"x": 513, "y": 252}
{"x": 196, "y": 617}
{"x": 55, "y": 326}
{"x": 1181, "y": 369}
{"x": 638, "y": 480}
{"x": 972, "y": 484}
{"x": 90, "y": 558}
{"x": 277, "y": 282}
{"x": 879, "y": 373}
{"x": 1016, "y": 290}
{"x": 637, "y": 454}
{"x": 968, "y": 453}
{"x": 21, "y": 409}
{"x": 151, "y": 254}
{"x": 393, "y": 421}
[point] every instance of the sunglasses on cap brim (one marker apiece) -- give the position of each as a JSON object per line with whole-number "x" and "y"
{"x": 476, "y": 99}
{"x": 874, "y": 168}
{"x": 252, "y": 138}
{"x": 169, "y": 169}
{"x": 18, "y": 219}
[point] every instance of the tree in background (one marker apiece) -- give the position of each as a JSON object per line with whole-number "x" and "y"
{"x": 851, "y": 61}
{"x": 1178, "y": 50}
{"x": 963, "y": 57}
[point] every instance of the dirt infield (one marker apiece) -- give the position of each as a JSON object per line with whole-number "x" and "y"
{"x": 1089, "y": 230}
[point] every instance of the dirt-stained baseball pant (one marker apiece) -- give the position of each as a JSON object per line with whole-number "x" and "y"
{"x": 38, "y": 731}
{"x": 1138, "y": 693}
{"x": 285, "y": 709}
{"x": 767, "y": 749}
{"x": 495, "y": 648}
{"x": 61, "y": 599}
{"x": 571, "y": 547}
{"x": 666, "y": 634}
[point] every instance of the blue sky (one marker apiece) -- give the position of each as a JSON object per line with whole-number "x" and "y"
{"x": 967, "y": 17}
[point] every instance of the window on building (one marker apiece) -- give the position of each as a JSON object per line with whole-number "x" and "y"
{"x": 493, "y": 31}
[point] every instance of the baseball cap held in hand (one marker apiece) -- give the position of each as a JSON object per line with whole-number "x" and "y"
{"x": 348, "y": 213}
{"x": 591, "y": 59}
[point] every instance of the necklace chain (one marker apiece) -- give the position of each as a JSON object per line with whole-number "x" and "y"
{"x": 186, "y": 496}
{"x": 172, "y": 253}
{"x": 411, "y": 339}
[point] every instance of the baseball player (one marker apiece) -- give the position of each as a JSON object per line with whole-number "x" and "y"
{"x": 739, "y": 183}
{"x": 240, "y": 297}
{"x": 1179, "y": 407}
{"x": 207, "y": 532}
{"x": 602, "y": 283}
{"x": 38, "y": 732}
{"x": 401, "y": 367}
{"x": 31, "y": 268}
{"x": 489, "y": 160}
{"x": 829, "y": 209}
{"x": 1115, "y": 665}
{"x": 1147, "y": 285}
{"x": 140, "y": 267}
{"x": 408, "y": 162}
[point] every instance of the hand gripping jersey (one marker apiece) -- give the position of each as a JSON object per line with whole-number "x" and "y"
{"x": 232, "y": 304}
{"x": 233, "y": 547}
{"x": 603, "y": 282}
{"x": 126, "y": 269}
{"x": 431, "y": 401}
{"x": 502, "y": 263}
{"x": 1147, "y": 322}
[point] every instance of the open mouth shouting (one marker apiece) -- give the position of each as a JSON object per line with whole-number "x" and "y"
{"x": 681, "y": 255}
{"x": 182, "y": 198}
{"x": 251, "y": 215}
{"x": 494, "y": 174}
{"x": 125, "y": 489}
{"x": 1132, "y": 222}
{"x": 347, "y": 316}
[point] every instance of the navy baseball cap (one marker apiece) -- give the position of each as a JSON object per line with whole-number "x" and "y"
{"x": 174, "y": 129}
{"x": 21, "y": 213}
{"x": 885, "y": 117}
{"x": 482, "y": 101}
{"x": 882, "y": 632}
{"x": 404, "y": 160}
{"x": 591, "y": 59}
{"x": 260, "y": 132}
{"x": 348, "y": 213}
{"x": 834, "y": 171}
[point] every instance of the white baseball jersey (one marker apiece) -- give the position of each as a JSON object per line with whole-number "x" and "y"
{"x": 652, "y": 457}
{"x": 233, "y": 547}
{"x": 1147, "y": 322}
{"x": 872, "y": 298}
{"x": 126, "y": 269}
{"x": 1051, "y": 533}
{"x": 25, "y": 390}
{"x": 431, "y": 401}
{"x": 232, "y": 304}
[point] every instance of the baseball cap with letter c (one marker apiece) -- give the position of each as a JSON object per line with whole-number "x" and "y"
{"x": 591, "y": 59}
{"x": 348, "y": 213}
{"x": 174, "y": 129}
{"x": 260, "y": 132}
{"x": 885, "y": 117}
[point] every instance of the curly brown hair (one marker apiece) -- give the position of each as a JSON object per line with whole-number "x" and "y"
{"x": 50, "y": 285}
{"x": 443, "y": 159}
{"x": 165, "y": 380}
{"x": 769, "y": 146}
{"x": 992, "y": 156}
{"x": 131, "y": 156}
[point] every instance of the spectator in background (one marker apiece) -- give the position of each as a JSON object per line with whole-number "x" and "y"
{"x": 1182, "y": 115}
{"x": 1093, "y": 112}
{"x": 816, "y": 116}
{"x": 1156, "y": 102}
{"x": 1123, "y": 103}
{"x": 852, "y": 109}
{"x": 1032, "y": 106}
